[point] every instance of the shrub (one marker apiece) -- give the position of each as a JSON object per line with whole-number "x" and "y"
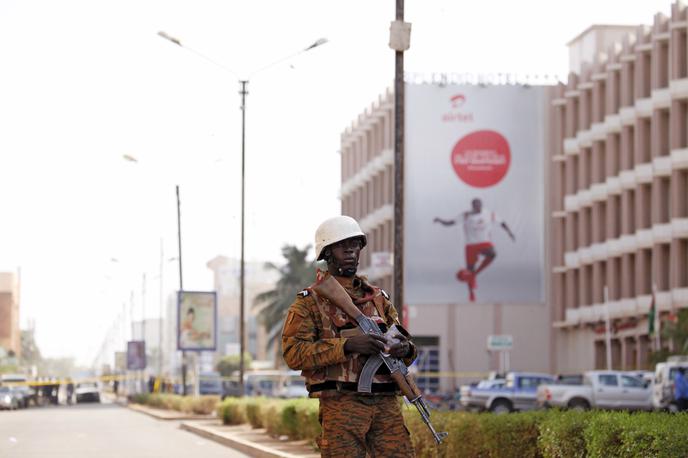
{"x": 561, "y": 434}
{"x": 232, "y": 411}
{"x": 255, "y": 411}
{"x": 513, "y": 435}
{"x": 603, "y": 434}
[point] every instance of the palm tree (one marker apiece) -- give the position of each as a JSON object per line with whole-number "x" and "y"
{"x": 297, "y": 273}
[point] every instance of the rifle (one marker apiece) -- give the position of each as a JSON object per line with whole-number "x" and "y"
{"x": 330, "y": 289}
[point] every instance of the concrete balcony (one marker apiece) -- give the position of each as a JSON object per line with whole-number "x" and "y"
{"x": 679, "y": 227}
{"x": 571, "y": 260}
{"x": 571, "y": 146}
{"x": 627, "y": 178}
{"x": 598, "y": 131}
{"x": 599, "y": 251}
{"x": 586, "y": 314}
{"x": 662, "y": 166}
{"x": 643, "y": 173}
{"x": 628, "y": 243}
{"x": 661, "y": 98}
{"x": 662, "y": 233}
{"x": 571, "y": 203}
{"x": 599, "y": 192}
{"x": 644, "y": 238}
{"x": 614, "y": 247}
{"x": 585, "y": 255}
{"x": 584, "y": 198}
{"x": 679, "y": 158}
{"x": 679, "y": 297}
{"x": 614, "y": 185}
{"x": 627, "y": 115}
{"x": 572, "y": 316}
{"x": 642, "y": 304}
{"x": 584, "y": 138}
{"x": 643, "y": 107}
{"x": 678, "y": 88}
{"x": 612, "y": 124}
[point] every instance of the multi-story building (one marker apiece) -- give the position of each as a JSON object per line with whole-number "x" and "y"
{"x": 619, "y": 191}
{"x": 10, "y": 338}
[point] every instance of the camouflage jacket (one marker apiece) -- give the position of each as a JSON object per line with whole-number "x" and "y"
{"x": 315, "y": 331}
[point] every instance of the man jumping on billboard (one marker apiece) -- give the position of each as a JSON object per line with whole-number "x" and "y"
{"x": 477, "y": 226}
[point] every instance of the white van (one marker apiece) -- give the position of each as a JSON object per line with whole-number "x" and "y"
{"x": 663, "y": 383}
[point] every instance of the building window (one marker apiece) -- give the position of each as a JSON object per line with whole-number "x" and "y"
{"x": 682, "y": 263}
{"x": 662, "y": 65}
{"x": 663, "y": 201}
{"x": 644, "y": 286}
{"x": 664, "y": 261}
{"x": 682, "y": 184}
{"x": 662, "y": 133}
{"x": 679, "y": 45}
{"x": 644, "y": 141}
{"x": 645, "y": 209}
{"x": 615, "y": 290}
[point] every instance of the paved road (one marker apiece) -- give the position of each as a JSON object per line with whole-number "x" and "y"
{"x": 99, "y": 431}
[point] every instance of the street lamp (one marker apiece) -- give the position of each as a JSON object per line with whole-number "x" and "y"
{"x": 243, "y": 83}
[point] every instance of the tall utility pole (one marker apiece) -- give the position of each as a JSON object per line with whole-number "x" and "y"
{"x": 181, "y": 281}
{"x": 399, "y": 41}
{"x": 242, "y": 330}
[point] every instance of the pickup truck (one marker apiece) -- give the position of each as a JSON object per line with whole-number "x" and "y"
{"x": 517, "y": 393}
{"x": 600, "y": 389}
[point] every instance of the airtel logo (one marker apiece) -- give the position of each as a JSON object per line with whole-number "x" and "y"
{"x": 457, "y": 100}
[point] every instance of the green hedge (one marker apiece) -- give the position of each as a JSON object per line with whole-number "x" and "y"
{"x": 553, "y": 434}
{"x": 188, "y": 404}
{"x": 547, "y": 434}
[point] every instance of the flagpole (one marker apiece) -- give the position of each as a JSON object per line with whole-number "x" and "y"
{"x": 658, "y": 322}
{"x": 607, "y": 329}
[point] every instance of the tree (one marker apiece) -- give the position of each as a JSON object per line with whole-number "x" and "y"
{"x": 675, "y": 331}
{"x": 295, "y": 274}
{"x": 230, "y": 364}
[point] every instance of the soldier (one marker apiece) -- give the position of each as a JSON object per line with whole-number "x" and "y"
{"x": 325, "y": 344}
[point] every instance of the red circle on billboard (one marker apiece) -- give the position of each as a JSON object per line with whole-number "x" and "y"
{"x": 481, "y": 158}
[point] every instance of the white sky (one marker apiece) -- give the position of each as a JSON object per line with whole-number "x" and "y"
{"x": 83, "y": 82}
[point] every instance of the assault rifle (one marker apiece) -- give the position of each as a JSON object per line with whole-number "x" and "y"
{"x": 330, "y": 289}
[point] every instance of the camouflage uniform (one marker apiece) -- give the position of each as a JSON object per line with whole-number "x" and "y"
{"x": 313, "y": 341}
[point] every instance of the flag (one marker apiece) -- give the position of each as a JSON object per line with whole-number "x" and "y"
{"x": 651, "y": 316}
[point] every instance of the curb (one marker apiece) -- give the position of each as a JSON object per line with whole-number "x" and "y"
{"x": 167, "y": 414}
{"x": 245, "y": 446}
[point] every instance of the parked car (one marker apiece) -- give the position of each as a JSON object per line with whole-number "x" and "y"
{"x": 466, "y": 398}
{"x": 517, "y": 393}
{"x": 569, "y": 379}
{"x": 293, "y": 387}
{"x": 87, "y": 392}
{"x": 600, "y": 389}
{"x": 20, "y": 383}
{"x": 210, "y": 383}
{"x": 663, "y": 383}
{"x": 8, "y": 398}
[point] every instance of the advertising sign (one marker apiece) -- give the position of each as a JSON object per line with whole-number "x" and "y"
{"x": 500, "y": 342}
{"x": 474, "y": 199}
{"x": 136, "y": 355}
{"x": 196, "y": 320}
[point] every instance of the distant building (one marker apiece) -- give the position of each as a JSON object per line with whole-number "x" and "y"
{"x": 258, "y": 279}
{"x": 619, "y": 191}
{"x": 10, "y": 338}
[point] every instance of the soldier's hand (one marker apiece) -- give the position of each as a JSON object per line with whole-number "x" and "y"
{"x": 365, "y": 344}
{"x": 401, "y": 348}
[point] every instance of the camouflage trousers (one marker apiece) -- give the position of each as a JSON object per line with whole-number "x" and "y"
{"x": 354, "y": 425}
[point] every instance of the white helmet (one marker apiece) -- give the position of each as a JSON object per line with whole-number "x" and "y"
{"x": 335, "y": 230}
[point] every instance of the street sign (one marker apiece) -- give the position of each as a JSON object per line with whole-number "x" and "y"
{"x": 500, "y": 342}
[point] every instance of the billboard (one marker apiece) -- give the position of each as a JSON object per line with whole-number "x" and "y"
{"x": 196, "y": 320}
{"x": 474, "y": 194}
{"x": 136, "y": 355}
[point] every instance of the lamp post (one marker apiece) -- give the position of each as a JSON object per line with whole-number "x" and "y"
{"x": 243, "y": 83}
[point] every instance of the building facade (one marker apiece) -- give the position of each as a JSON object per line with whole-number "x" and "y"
{"x": 452, "y": 336}
{"x": 619, "y": 192}
{"x": 10, "y": 337}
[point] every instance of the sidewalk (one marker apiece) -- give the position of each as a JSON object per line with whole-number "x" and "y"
{"x": 253, "y": 442}
{"x": 162, "y": 414}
